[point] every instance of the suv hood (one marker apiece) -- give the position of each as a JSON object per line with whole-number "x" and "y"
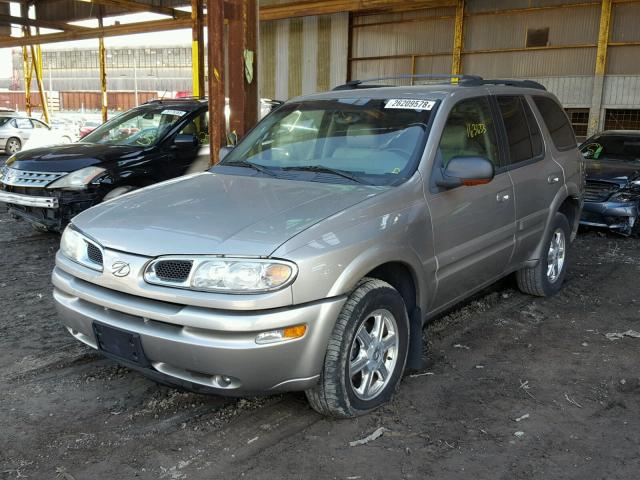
{"x": 211, "y": 213}
{"x": 71, "y": 157}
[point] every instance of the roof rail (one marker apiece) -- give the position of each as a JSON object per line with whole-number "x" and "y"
{"x": 354, "y": 84}
{"x": 462, "y": 80}
{"x": 473, "y": 82}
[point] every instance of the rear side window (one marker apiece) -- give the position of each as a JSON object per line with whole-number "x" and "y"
{"x": 517, "y": 129}
{"x": 557, "y": 123}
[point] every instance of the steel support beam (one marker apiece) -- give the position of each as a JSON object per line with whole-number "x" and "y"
{"x": 601, "y": 67}
{"x": 215, "y": 33}
{"x": 243, "y": 90}
{"x": 133, "y": 6}
{"x": 197, "y": 48}
{"x": 458, "y": 39}
{"x": 31, "y": 22}
{"x": 89, "y": 33}
{"x": 102, "y": 58}
{"x": 36, "y": 58}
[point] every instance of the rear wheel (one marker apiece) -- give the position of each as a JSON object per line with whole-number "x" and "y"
{"x": 366, "y": 354}
{"x": 545, "y": 279}
{"x": 116, "y": 192}
{"x": 14, "y": 145}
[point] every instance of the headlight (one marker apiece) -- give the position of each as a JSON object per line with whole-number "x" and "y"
{"x": 80, "y": 249}
{"x": 78, "y": 179}
{"x": 228, "y": 275}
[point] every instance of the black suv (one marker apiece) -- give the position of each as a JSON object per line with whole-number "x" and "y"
{"x": 159, "y": 140}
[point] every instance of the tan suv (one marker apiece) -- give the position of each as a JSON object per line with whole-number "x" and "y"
{"x": 311, "y": 256}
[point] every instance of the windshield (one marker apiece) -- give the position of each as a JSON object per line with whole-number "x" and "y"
{"x": 373, "y": 141}
{"x": 618, "y": 147}
{"x": 138, "y": 127}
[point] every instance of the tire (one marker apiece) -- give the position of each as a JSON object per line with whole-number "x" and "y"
{"x": 538, "y": 280}
{"x": 65, "y": 140}
{"x": 343, "y": 395}
{"x": 13, "y": 145}
{"x": 116, "y": 192}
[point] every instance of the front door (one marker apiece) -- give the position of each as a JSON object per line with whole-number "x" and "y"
{"x": 473, "y": 226}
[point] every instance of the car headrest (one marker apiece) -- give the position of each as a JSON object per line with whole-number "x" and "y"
{"x": 362, "y": 136}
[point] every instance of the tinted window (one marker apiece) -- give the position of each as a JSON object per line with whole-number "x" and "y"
{"x": 469, "y": 131}
{"x": 618, "y": 147}
{"x": 557, "y": 123}
{"x": 517, "y": 129}
{"x": 534, "y": 129}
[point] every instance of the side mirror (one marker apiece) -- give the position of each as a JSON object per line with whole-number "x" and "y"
{"x": 466, "y": 171}
{"x": 185, "y": 140}
{"x": 223, "y": 152}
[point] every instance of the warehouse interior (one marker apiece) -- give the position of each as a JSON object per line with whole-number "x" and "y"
{"x": 583, "y": 51}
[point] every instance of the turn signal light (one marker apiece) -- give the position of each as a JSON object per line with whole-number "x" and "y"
{"x": 280, "y": 335}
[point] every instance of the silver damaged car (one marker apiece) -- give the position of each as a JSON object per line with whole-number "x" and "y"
{"x": 311, "y": 256}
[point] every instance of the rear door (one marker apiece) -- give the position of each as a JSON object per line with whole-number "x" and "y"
{"x": 536, "y": 176}
{"x": 473, "y": 225}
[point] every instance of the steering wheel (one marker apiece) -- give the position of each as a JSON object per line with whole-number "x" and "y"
{"x": 145, "y": 139}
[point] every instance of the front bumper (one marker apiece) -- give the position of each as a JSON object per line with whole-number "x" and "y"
{"x": 222, "y": 343}
{"x": 48, "y": 209}
{"x": 618, "y": 216}
{"x": 28, "y": 200}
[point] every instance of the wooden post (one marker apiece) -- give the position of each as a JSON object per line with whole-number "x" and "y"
{"x": 215, "y": 33}
{"x": 197, "y": 49}
{"x": 243, "y": 67}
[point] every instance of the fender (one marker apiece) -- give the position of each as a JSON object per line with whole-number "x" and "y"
{"x": 373, "y": 258}
{"x": 567, "y": 190}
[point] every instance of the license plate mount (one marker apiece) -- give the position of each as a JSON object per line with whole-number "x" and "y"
{"x": 120, "y": 344}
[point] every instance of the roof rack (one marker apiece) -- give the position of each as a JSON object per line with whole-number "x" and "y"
{"x": 354, "y": 84}
{"x": 462, "y": 80}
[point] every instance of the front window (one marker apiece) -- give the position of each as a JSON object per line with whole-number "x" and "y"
{"x": 617, "y": 147}
{"x": 363, "y": 140}
{"x": 138, "y": 127}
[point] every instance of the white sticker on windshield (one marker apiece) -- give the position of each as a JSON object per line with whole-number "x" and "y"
{"x": 409, "y": 104}
{"x": 177, "y": 113}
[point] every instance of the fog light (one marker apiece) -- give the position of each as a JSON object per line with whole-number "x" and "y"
{"x": 288, "y": 333}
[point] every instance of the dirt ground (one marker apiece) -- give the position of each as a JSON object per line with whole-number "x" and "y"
{"x": 67, "y": 413}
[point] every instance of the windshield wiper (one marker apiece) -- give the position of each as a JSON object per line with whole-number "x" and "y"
{"x": 323, "y": 169}
{"x": 255, "y": 166}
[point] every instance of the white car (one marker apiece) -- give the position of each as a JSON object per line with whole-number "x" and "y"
{"x": 18, "y": 132}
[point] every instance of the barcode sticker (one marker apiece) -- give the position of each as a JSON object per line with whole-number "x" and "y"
{"x": 408, "y": 104}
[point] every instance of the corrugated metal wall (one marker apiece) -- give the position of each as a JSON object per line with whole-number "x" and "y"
{"x": 302, "y": 55}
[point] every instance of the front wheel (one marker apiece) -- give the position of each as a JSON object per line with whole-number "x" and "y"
{"x": 366, "y": 354}
{"x": 545, "y": 279}
{"x": 14, "y": 145}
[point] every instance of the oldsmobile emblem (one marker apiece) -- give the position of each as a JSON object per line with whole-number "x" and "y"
{"x": 120, "y": 269}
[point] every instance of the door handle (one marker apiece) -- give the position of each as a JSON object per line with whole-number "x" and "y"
{"x": 553, "y": 178}
{"x": 503, "y": 197}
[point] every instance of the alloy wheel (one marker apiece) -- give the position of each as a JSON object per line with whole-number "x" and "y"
{"x": 374, "y": 354}
{"x": 556, "y": 255}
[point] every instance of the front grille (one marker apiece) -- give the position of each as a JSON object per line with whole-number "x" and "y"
{"x": 94, "y": 254}
{"x": 173, "y": 270}
{"x": 23, "y": 178}
{"x": 598, "y": 191}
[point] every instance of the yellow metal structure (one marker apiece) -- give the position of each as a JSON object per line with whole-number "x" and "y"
{"x": 102, "y": 53}
{"x": 458, "y": 38}
{"x": 197, "y": 49}
{"x": 36, "y": 58}
{"x": 26, "y": 68}
{"x": 603, "y": 37}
